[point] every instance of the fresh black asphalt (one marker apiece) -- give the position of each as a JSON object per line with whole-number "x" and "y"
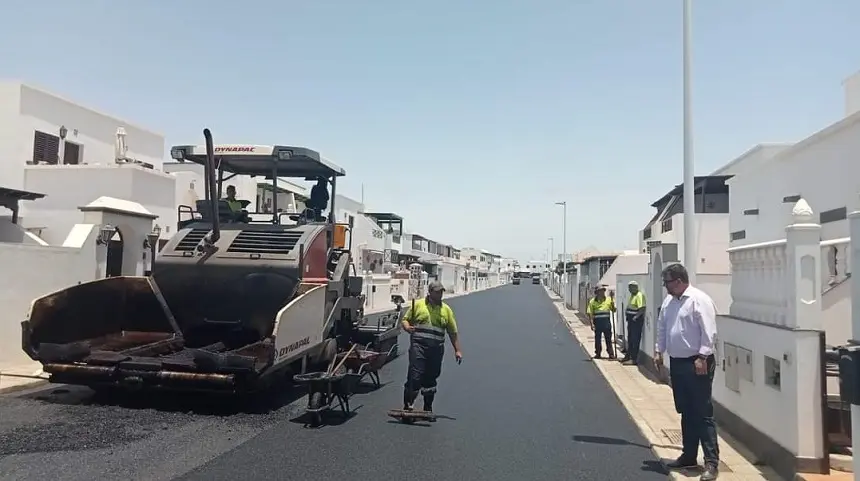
{"x": 526, "y": 404}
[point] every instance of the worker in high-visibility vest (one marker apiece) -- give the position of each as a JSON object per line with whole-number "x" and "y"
{"x": 233, "y": 203}
{"x": 599, "y": 311}
{"x": 635, "y": 317}
{"x": 427, "y": 321}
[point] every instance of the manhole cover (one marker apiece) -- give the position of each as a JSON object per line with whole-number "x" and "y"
{"x": 674, "y": 436}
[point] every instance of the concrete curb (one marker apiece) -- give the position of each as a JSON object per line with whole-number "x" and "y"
{"x": 23, "y": 386}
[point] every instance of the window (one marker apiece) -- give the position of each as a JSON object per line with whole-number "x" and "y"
{"x": 666, "y": 226}
{"x": 72, "y": 153}
{"x": 738, "y": 235}
{"x": 46, "y": 148}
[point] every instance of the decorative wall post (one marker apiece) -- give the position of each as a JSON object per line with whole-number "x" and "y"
{"x": 854, "y": 230}
{"x": 803, "y": 269}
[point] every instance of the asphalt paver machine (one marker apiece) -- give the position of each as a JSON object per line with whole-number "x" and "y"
{"x": 233, "y": 302}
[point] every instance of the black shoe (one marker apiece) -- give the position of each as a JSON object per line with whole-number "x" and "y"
{"x": 598, "y": 356}
{"x": 682, "y": 463}
{"x": 710, "y": 473}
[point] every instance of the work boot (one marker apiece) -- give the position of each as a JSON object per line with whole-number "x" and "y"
{"x": 428, "y": 404}
{"x": 710, "y": 474}
{"x": 409, "y": 399}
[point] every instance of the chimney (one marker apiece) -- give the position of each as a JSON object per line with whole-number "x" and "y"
{"x": 852, "y": 94}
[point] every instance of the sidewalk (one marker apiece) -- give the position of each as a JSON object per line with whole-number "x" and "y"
{"x": 650, "y": 404}
{"x": 20, "y": 377}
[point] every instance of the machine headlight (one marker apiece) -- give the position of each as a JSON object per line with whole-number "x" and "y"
{"x": 177, "y": 154}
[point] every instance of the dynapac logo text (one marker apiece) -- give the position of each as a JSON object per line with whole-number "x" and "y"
{"x": 293, "y": 346}
{"x": 234, "y": 148}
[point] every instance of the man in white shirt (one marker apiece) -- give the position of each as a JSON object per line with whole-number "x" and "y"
{"x": 686, "y": 331}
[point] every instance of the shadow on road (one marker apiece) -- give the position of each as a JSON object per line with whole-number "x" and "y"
{"x": 605, "y": 440}
{"x": 330, "y": 418}
{"x": 649, "y": 465}
{"x": 205, "y": 404}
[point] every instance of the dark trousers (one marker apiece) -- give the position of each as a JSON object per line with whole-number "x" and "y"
{"x": 692, "y": 394}
{"x": 603, "y": 329}
{"x": 425, "y": 366}
{"x": 634, "y": 338}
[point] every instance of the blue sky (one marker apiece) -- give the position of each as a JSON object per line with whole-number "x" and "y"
{"x": 472, "y": 118}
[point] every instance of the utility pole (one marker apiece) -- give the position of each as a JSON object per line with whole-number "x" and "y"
{"x": 691, "y": 258}
{"x": 563, "y": 204}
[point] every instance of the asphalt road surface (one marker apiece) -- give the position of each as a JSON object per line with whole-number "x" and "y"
{"x": 526, "y": 404}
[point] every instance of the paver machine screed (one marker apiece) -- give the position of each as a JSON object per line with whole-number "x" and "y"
{"x": 233, "y": 303}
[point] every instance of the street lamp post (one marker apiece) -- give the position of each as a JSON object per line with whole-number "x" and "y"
{"x": 690, "y": 254}
{"x": 563, "y": 204}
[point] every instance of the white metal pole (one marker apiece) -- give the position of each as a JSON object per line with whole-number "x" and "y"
{"x": 551, "y": 252}
{"x": 564, "y": 240}
{"x": 854, "y": 259}
{"x": 690, "y": 254}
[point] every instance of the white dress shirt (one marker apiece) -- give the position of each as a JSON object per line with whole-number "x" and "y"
{"x": 687, "y": 325}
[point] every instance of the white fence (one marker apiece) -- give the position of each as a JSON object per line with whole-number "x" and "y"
{"x": 770, "y": 375}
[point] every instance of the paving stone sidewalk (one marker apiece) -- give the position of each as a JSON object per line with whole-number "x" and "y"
{"x": 650, "y": 404}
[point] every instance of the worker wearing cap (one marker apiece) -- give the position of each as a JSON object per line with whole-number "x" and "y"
{"x": 599, "y": 311}
{"x": 635, "y": 316}
{"x": 427, "y": 321}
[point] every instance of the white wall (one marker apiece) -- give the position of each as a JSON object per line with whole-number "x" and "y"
{"x": 11, "y": 163}
{"x": 26, "y": 109}
{"x": 821, "y": 168}
{"x": 39, "y": 270}
{"x": 625, "y": 264}
{"x": 72, "y": 186}
{"x": 712, "y": 237}
{"x": 751, "y": 159}
{"x": 15, "y": 234}
{"x": 781, "y": 413}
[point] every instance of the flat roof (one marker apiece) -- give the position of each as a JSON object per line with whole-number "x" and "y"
{"x": 262, "y": 160}
{"x": 385, "y": 216}
{"x": 699, "y": 181}
{"x": 19, "y": 194}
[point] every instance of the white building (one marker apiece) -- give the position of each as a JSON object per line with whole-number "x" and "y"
{"x": 75, "y": 155}
{"x": 37, "y": 127}
{"x": 822, "y": 168}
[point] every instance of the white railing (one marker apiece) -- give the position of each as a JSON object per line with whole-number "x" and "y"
{"x": 759, "y": 277}
{"x": 758, "y": 282}
{"x": 836, "y": 261}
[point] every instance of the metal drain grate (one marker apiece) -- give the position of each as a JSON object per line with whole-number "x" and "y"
{"x": 674, "y": 436}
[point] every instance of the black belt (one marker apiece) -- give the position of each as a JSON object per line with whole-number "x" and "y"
{"x": 691, "y": 358}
